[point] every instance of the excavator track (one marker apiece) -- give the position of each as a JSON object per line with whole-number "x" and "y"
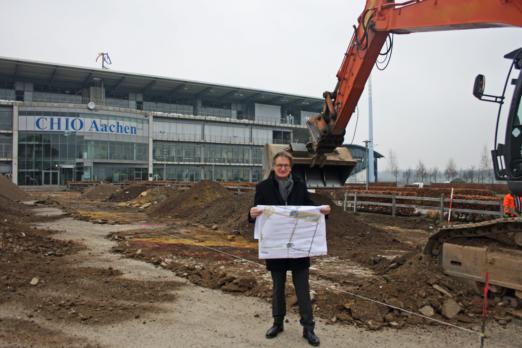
{"x": 471, "y": 250}
{"x": 507, "y": 231}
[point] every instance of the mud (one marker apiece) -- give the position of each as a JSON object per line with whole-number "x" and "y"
{"x": 38, "y": 273}
{"x": 396, "y": 273}
{"x": 203, "y": 235}
{"x": 25, "y": 333}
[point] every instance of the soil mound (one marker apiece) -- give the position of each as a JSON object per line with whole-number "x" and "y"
{"x": 348, "y": 236}
{"x": 209, "y": 203}
{"x": 417, "y": 286}
{"x": 127, "y": 193}
{"x": 11, "y": 191}
{"x": 194, "y": 201}
{"x": 153, "y": 196}
{"x": 10, "y": 209}
{"x": 99, "y": 192}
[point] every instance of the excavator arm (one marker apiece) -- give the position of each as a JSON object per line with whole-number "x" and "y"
{"x": 379, "y": 19}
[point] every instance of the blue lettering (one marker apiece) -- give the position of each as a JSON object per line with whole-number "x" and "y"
{"x": 77, "y": 124}
{"x": 41, "y": 123}
{"x": 94, "y": 126}
{"x": 56, "y": 123}
{"x": 99, "y": 127}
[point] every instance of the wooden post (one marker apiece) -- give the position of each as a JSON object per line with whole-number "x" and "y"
{"x": 441, "y": 207}
{"x": 344, "y": 201}
{"x": 355, "y": 202}
{"x": 394, "y": 208}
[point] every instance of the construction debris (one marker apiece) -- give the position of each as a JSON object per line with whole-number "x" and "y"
{"x": 450, "y": 308}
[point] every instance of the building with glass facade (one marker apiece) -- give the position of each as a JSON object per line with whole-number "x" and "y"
{"x": 61, "y": 123}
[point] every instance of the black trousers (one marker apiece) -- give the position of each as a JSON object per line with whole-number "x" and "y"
{"x": 302, "y": 292}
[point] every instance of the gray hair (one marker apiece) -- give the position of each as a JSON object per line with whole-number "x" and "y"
{"x": 285, "y": 154}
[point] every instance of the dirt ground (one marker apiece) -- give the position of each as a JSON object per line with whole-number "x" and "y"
{"x": 110, "y": 273}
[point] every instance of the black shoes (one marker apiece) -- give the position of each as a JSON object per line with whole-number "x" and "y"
{"x": 274, "y": 330}
{"x": 307, "y": 333}
{"x": 311, "y": 337}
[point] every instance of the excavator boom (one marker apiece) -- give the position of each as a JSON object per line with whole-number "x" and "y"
{"x": 466, "y": 251}
{"x": 379, "y": 19}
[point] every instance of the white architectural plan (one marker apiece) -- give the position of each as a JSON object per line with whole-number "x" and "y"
{"x": 290, "y": 232}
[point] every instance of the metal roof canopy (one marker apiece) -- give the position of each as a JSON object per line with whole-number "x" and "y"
{"x": 121, "y": 83}
{"x": 360, "y": 149}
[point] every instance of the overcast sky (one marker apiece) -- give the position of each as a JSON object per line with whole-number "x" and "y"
{"x": 423, "y": 106}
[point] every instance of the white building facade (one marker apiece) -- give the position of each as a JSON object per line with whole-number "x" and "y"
{"x": 62, "y": 123}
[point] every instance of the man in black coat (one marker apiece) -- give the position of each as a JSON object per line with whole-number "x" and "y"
{"x": 282, "y": 188}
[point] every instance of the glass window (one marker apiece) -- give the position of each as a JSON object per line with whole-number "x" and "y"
{"x": 71, "y": 152}
{"x": 281, "y": 137}
{"x": 257, "y": 155}
{"x": 6, "y": 118}
{"x": 101, "y": 150}
{"x": 142, "y": 152}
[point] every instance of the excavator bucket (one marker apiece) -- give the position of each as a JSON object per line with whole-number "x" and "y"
{"x": 329, "y": 170}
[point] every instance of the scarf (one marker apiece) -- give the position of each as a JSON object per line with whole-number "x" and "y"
{"x": 285, "y": 187}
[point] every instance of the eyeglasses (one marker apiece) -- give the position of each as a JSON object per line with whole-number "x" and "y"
{"x": 282, "y": 165}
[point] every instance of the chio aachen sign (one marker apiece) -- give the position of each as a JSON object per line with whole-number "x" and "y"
{"x": 77, "y": 124}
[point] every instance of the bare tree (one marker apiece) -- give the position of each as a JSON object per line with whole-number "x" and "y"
{"x": 393, "y": 165}
{"x": 451, "y": 170}
{"x": 469, "y": 174}
{"x": 406, "y": 175}
{"x": 420, "y": 171}
{"x": 472, "y": 173}
{"x": 434, "y": 174}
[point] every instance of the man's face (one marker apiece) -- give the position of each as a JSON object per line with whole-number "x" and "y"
{"x": 282, "y": 167}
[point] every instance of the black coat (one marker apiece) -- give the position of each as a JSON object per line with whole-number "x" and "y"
{"x": 267, "y": 193}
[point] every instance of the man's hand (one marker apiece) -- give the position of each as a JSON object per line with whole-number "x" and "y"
{"x": 255, "y": 212}
{"x": 325, "y": 209}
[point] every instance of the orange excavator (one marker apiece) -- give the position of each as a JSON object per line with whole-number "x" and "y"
{"x": 469, "y": 250}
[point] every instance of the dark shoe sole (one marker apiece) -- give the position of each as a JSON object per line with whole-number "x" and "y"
{"x": 312, "y": 343}
{"x": 315, "y": 344}
{"x": 274, "y": 336}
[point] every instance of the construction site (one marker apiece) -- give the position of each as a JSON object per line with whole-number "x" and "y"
{"x": 73, "y": 263}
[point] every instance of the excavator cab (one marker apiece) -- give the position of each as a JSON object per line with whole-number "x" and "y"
{"x": 507, "y": 157}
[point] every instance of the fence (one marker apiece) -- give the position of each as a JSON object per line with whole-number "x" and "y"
{"x": 353, "y": 201}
